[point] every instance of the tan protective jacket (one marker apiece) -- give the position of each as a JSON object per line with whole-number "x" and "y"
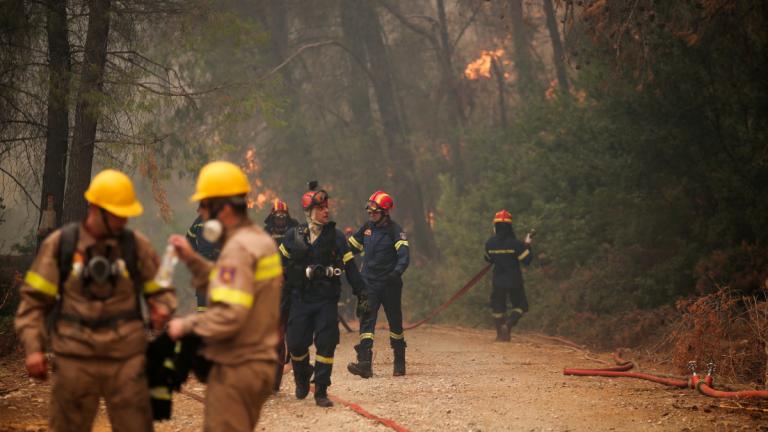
{"x": 41, "y": 287}
{"x": 243, "y": 291}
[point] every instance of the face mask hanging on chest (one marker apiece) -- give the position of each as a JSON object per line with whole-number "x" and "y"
{"x": 101, "y": 272}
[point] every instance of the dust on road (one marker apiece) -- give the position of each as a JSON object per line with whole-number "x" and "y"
{"x": 458, "y": 380}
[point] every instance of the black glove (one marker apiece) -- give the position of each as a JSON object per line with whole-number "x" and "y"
{"x": 393, "y": 277}
{"x": 362, "y": 309}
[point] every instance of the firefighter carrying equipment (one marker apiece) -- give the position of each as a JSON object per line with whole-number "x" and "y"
{"x": 113, "y": 191}
{"x": 380, "y": 201}
{"x": 220, "y": 179}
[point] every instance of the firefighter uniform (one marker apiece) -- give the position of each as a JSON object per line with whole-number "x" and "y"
{"x": 206, "y": 249}
{"x": 386, "y": 256}
{"x": 98, "y": 334}
{"x": 314, "y": 289}
{"x": 239, "y": 327}
{"x": 507, "y": 253}
{"x": 277, "y": 231}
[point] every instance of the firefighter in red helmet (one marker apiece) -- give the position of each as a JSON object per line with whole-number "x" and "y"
{"x": 315, "y": 255}
{"x": 507, "y": 253}
{"x": 277, "y": 223}
{"x": 385, "y": 259}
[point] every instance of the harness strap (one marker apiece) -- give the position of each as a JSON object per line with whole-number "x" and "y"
{"x": 98, "y": 323}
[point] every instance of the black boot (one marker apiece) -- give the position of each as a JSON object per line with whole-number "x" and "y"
{"x": 399, "y": 363}
{"x": 363, "y": 366}
{"x": 514, "y": 317}
{"x": 321, "y": 396}
{"x": 502, "y": 331}
{"x": 302, "y": 372}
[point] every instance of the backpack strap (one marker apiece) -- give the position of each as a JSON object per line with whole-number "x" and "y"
{"x": 131, "y": 258}
{"x": 66, "y": 252}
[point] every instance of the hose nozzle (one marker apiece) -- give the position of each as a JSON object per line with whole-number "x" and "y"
{"x": 692, "y": 367}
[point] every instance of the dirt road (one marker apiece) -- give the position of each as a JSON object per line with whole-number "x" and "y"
{"x": 458, "y": 380}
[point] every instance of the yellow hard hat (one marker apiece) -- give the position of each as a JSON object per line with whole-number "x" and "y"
{"x": 113, "y": 191}
{"x": 220, "y": 179}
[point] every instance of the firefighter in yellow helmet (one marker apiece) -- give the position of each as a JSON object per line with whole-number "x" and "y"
{"x": 240, "y": 326}
{"x": 87, "y": 280}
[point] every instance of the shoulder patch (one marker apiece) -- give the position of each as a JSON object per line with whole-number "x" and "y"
{"x": 227, "y": 274}
{"x": 367, "y": 232}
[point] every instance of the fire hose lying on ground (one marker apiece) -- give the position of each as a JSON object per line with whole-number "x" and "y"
{"x": 703, "y": 384}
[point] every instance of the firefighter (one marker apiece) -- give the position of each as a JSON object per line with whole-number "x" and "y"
{"x": 276, "y": 224}
{"x": 385, "y": 258}
{"x": 203, "y": 247}
{"x": 239, "y": 327}
{"x": 506, "y": 252}
{"x": 315, "y": 255}
{"x": 86, "y": 283}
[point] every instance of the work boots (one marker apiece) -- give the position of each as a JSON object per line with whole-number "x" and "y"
{"x": 399, "y": 363}
{"x": 502, "y": 331}
{"x": 363, "y": 367}
{"x": 302, "y": 372}
{"x": 321, "y": 396}
{"x": 514, "y": 317}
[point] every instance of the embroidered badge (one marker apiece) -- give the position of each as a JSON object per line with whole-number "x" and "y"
{"x": 367, "y": 232}
{"x": 227, "y": 274}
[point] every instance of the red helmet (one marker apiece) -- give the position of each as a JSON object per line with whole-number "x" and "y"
{"x": 279, "y": 206}
{"x": 349, "y": 231}
{"x": 380, "y": 200}
{"x": 314, "y": 197}
{"x": 502, "y": 216}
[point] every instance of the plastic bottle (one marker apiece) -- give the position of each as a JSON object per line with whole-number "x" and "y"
{"x": 164, "y": 276}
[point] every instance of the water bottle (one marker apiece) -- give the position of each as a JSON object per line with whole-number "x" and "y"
{"x": 164, "y": 277}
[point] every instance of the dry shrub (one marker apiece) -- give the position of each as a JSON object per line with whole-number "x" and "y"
{"x": 633, "y": 328}
{"x": 727, "y": 329}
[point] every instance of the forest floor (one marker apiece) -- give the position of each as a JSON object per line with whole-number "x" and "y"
{"x": 458, "y": 380}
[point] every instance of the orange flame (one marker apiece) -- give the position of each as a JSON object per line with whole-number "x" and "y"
{"x": 252, "y": 167}
{"x": 482, "y": 66}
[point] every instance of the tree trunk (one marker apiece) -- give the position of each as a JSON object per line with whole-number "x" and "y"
{"x": 557, "y": 47}
{"x": 407, "y": 189}
{"x": 87, "y": 110}
{"x": 526, "y": 82}
{"x": 57, "y": 135}
{"x": 498, "y": 71}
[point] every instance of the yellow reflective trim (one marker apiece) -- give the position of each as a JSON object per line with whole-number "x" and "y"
{"x": 299, "y": 358}
{"x": 401, "y": 243}
{"x": 284, "y": 251}
{"x": 231, "y": 296}
{"x": 151, "y": 287}
{"x": 202, "y": 308}
{"x": 162, "y": 393}
{"x": 501, "y": 251}
{"x": 268, "y": 268}
{"x": 366, "y": 336}
{"x": 177, "y": 348}
{"x": 393, "y": 335}
{"x": 524, "y": 254}
{"x": 168, "y": 364}
{"x": 349, "y": 256}
{"x": 518, "y": 310}
{"x": 497, "y": 314}
{"x": 191, "y": 234}
{"x": 212, "y": 274}
{"x": 41, "y": 284}
{"x": 356, "y": 244}
{"x": 321, "y": 359}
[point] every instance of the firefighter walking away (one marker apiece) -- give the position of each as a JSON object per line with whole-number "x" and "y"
{"x": 506, "y": 253}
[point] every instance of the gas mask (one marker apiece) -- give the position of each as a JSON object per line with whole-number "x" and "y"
{"x": 100, "y": 273}
{"x": 212, "y": 230}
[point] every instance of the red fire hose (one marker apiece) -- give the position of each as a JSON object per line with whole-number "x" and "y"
{"x": 707, "y": 390}
{"x": 614, "y": 373}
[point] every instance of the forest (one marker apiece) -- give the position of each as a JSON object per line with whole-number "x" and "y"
{"x": 632, "y": 135}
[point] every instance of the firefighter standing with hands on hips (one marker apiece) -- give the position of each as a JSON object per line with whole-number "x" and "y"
{"x": 239, "y": 327}
{"x": 315, "y": 255}
{"x": 277, "y": 223}
{"x": 386, "y": 257}
{"x": 506, "y": 253}
{"x": 88, "y": 279}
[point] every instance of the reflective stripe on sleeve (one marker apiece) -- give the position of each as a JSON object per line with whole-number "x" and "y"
{"x": 41, "y": 284}
{"x": 393, "y": 335}
{"x": 191, "y": 234}
{"x": 524, "y": 254}
{"x": 151, "y": 287}
{"x": 366, "y": 336}
{"x": 268, "y": 268}
{"x": 202, "y": 308}
{"x": 401, "y": 243}
{"x": 321, "y": 359}
{"x": 284, "y": 251}
{"x": 356, "y": 244}
{"x": 168, "y": 364}
{"x": 231, "y": 296}
{"x": 349, "y": 256}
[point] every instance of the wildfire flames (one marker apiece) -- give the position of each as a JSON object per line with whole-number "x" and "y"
{"x": 482, "y": 66}
{"x": 259, "y": 195}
